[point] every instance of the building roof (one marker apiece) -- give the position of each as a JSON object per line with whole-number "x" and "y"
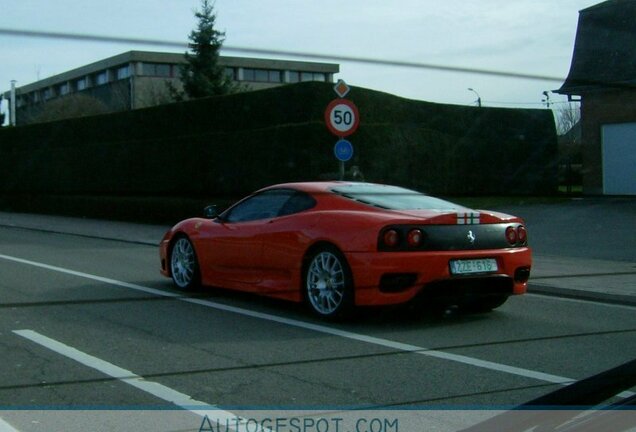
{"x": 176, "y": 58}
{"x": 605, "y": 48}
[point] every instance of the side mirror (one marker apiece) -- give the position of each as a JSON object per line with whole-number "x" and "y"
{"x": 211, "y": 212}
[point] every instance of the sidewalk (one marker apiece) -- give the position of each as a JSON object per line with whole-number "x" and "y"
{"x": 575, "y": 277}
{"x": 112, "y": 230}
{"x": 588, "y": 279}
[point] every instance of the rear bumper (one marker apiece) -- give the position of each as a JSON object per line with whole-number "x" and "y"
{"x": 397, "y": 277}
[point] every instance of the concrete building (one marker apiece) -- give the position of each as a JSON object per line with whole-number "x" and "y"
{"x": 603, "y": 75}
{"x": 139, "y": 79}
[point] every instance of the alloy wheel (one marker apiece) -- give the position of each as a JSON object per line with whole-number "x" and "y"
{"x": 183, "y": 263}
{"x": 326, "y": 283}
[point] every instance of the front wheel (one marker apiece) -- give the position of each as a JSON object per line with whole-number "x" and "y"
{"x": 328, "y": 285}
{"x": 184, "y": 266}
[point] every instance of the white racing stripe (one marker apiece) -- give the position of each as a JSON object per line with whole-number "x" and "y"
{"x": 399, "y": 346}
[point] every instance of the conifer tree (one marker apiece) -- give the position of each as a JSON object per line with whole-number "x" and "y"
{"x": 201, "y": 75}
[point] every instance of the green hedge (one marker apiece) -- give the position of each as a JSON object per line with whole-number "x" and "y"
{"x": 231, "y": 145}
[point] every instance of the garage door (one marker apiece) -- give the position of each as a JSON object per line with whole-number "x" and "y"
{"x": 619, "y": 159}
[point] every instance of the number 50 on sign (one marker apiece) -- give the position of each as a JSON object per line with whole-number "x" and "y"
{"x": 341, "y": 117}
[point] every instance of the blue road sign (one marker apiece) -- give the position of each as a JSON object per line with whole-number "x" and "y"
{"x": 343, "y": 150}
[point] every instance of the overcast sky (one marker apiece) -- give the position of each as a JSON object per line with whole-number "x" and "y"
{"x": 521, "y": 36}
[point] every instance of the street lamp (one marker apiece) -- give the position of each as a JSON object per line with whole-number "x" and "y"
{"x": 12, "y": 104}
{"x": 547, "y": 99}
{"x": 478, "y": 97}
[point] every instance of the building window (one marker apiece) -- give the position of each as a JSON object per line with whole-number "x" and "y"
{"x": 123, "y": 72}
{"x": 248, "y": 74}
{"x": 294, "y": 76}
{"x": 149, "y": 69}
{"x": 157, "y": 69}
{"x": 101, "y": 78}
{"x": 262, "y": 75}
{"x": 47, "y": 94}
{"x": 64, "y": 89}
{"x": 81, "y": 84}
{"x": 312, "y": 76}
{"x": 230, "y": 73}
{"x": 164, "y": 70}
{"x": 275, "y": 76}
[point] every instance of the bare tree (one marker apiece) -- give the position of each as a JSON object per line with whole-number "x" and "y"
{"x": 567, "y": 116}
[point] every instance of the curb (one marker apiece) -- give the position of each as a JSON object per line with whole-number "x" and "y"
{"x": 600, "y": 297}
{"x": 78, "y": 234}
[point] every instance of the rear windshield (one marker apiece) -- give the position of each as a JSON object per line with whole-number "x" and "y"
{"x": 392, "y": 197}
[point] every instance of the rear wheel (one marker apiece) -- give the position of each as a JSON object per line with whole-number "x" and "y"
{"x": 328, "y": 285}
{"x": 184, "y": 266}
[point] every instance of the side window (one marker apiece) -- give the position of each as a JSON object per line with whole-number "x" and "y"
{"x": 265, "y": 205}
{"x": 298, "y": 202}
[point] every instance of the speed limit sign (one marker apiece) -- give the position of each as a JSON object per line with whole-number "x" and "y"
{"x": 342, "y": 117}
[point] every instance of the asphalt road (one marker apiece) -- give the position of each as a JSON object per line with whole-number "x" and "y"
{"x": 89, "y": 322}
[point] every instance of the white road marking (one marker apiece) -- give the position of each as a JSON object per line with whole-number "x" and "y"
{"x": 399, "y": 346}
{"x": 160, "y": 391}
{"x": 6, "y": 427}
{"x": 91, "y": 277}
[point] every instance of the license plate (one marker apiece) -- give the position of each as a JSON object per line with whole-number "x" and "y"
{"x": 472, "y": 266}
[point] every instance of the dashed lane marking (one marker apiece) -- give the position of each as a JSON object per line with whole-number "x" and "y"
{"x": 399, "y": 346}
{"x": 160, "y": 391}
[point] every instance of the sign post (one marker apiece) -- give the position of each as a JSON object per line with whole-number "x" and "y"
{"x": 342, "y": 119}
{"x": 344, "y": 152}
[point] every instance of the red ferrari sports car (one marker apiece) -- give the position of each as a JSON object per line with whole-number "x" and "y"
{"x": 336, "y": 245}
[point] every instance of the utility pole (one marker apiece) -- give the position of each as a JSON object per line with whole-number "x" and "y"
{"x": 12, "y": 121}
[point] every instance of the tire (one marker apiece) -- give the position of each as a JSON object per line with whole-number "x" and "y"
{"x": 184, "y": 266}
{"x": 485, "y": 304}
{"x": 328, "y": 284}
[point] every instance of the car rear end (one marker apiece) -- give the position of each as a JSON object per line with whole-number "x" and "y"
{"x": 454, "y": 258}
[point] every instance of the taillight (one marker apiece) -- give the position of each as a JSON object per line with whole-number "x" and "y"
{"x": 401, "y": 238}
{"x": 522, "y": 235}
{"x": 414, "y": 237}
{"x": 517, "y": 235}
{"x": 391, "y": 238}
{"x": 511, "y": 235}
